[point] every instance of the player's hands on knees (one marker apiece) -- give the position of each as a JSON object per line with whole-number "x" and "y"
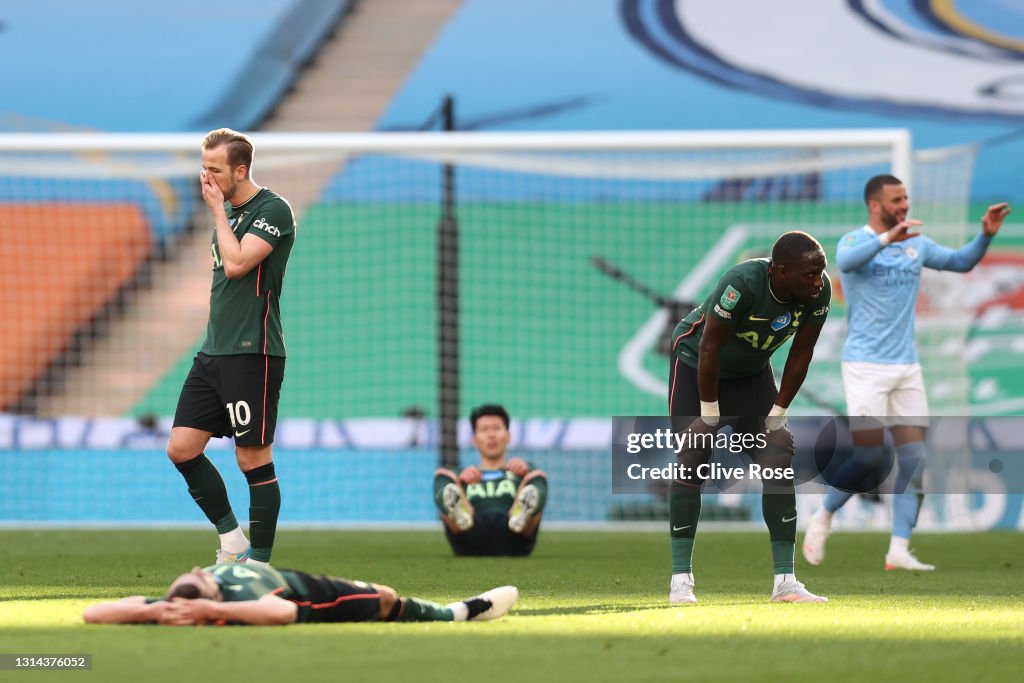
{"x": 517, "y": 466}
{"x": 695, "y": 441}
{"x": 180, "y": 612}
{"x": 470, "y": 475}
{"x": 901, "y": 231}
{"x": 774, "y": 423}
{"x": 779, "y": 442}
{"x": 700, "y": 425}
{"x": 993, "y": 218}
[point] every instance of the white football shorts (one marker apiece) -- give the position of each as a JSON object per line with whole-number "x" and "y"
{"x": 890, "y": 393}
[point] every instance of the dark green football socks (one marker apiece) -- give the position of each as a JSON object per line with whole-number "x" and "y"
{"x": 206, "y": 487}
{"x": 683, "y": 513}
{"x": 779, "y": 509}
{"x": 415, "y": 609}
{"x": 264, "y": 506}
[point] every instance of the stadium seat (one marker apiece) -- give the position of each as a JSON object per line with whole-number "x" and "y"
{"x": 62, "y": 264}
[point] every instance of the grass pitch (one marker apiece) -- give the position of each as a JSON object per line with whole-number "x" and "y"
{"x": 593, "y": 608}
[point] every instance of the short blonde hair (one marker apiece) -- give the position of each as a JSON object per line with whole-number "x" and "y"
{"x": 240, "y": 149}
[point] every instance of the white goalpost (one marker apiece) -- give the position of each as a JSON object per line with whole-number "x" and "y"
{"x": 108, "y": 269}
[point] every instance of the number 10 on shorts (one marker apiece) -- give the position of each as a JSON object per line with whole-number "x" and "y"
{"x": 239, "y": 414}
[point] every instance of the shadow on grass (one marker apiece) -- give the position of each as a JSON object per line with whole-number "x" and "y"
{"x": 597, "y": 608}
{"x": 80, "y": 595}
{"x": 411, "y": 652}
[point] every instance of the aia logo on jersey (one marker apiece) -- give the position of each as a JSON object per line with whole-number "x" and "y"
{"x": 781, "y": 321}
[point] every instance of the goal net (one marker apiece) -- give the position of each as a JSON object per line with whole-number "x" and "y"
{"x": 575, "y": 254}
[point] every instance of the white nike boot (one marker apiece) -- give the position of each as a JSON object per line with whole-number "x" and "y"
{"x": 816, "y": 536}
{"x": 788, "y": 589}
{"x": 680, "y": 591}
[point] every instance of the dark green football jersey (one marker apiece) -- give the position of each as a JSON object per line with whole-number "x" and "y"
{"x": 240, "y": 582}
{"x": 743, "y": 300}
{"x": 495, "y": 492}
{"x": 245, "y": 312}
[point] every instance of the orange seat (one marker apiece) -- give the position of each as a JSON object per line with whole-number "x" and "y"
{"x": 60, "y": 265}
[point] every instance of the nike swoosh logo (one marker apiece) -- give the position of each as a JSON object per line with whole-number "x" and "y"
{"x": 233, "y": 588}
{"x": 789, "y": 519}
{"x": 760, "y": 320}
{"x": 680, "y": 528}
{"x": 240, "y": 434}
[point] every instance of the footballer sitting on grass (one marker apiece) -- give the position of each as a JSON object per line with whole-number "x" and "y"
{"x": 264, "y": 596}
{"x": 496, "y": 508}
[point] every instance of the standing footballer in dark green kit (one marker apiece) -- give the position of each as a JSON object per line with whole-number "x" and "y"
{"x": 235, "y": 381}
{"x": 720, "y": 366}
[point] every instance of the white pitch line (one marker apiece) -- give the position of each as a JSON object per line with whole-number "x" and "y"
{"x": 631, "y": 358}
{"x": 1010, "y": 406}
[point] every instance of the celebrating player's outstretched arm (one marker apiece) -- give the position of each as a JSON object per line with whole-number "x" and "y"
{"x": 901, "y": 232}
{"x": 880, "y": 265}
{"x": 993, "y": 218}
